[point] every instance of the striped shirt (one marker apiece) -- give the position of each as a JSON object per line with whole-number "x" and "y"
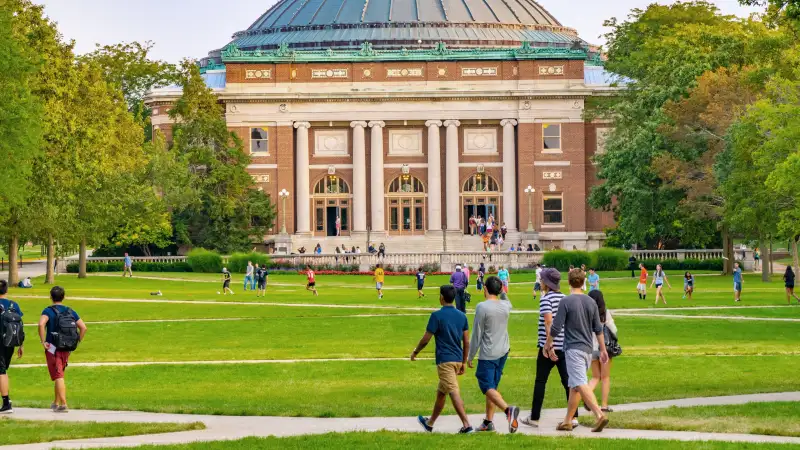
{"x": 549, "y": 304}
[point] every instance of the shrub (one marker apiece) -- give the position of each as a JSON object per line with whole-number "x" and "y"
{"x": 688, "y": 264}
{"x": 138, "y": 266}
{"x": 204, "y": 261}
{"x": 238, "y": 261}
{"x": 562, "y": 259}
{"x": 610, "y": 259}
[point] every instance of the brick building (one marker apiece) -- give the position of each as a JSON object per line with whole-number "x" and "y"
{"x": 395, "y": 121}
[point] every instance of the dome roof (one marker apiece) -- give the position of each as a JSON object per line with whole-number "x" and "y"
{"x": 339, "y": 24}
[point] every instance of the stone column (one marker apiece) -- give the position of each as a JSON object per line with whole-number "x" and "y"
{"x": 434, "y": 176}
{"x": 376, "y": 179}
{"x": 359, "y": 177}
{"x": 509, "y": 174}
{"x": 302, "y": 192}
{"x": 452, "y": 188}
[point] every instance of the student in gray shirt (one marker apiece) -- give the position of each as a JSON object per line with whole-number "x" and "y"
{"x": 579, "y": 318}
{"x": 490, "y": 336}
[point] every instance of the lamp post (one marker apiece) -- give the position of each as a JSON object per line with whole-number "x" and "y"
{"x": 284, "y": 194}
{"x": 530, "y": 191}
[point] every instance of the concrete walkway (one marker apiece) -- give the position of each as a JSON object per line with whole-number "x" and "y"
{"x": 229, "y": 428}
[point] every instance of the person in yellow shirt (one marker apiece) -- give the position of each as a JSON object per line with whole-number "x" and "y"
{"x": 379, "y": 277}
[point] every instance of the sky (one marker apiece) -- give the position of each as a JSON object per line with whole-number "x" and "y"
{"x": 191, "y": 28}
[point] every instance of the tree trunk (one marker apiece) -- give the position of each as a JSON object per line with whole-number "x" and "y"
{"x": 771, "y": 266}
{"x": 82, "y": 259}
{"x": 13, "y": 257}
{"x": 727, "y": 252}
{"x": 765, "y": 255}
{"x": 794, "y": 254}
{"x": 51, "y": 255}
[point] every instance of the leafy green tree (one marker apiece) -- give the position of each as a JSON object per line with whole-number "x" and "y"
{"x": 226, "y": 207}
{"x": 20, "y": 128}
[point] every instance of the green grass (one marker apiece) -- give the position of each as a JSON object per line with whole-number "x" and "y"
{"x": 792, "y": 312}
{"x": 15, "y": 432}
{"x": 416, "y": 441}
{"x": 774, "y": 419}
{"x": 380, "y": 388}
{"x": 27, "y": 253}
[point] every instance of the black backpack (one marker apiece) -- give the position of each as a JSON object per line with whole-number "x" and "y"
{"x": 612, "y": 344}
{"x": 11, "y": 332}
{"x": 65, "y": 336}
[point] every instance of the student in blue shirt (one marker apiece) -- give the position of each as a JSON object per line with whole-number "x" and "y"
{"x": 420, "y": 282}
{"x": 594, "y": 280}
{"x": 737, "y": 282}
{"x": 128, "y": 269}
{"x": 505, "y": 278}
{"x": 451, "y": 329}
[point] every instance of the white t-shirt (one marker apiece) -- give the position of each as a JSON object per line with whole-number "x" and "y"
{"x": 539, "y": 275}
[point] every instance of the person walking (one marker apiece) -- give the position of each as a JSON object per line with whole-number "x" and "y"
{"x": 601, "y": 373}
{"x": 450, "y": 328}
{"x": 459, "y": 281}
{"x": 421, "y": 284}
{"x": 503, "y": 231}
{"x": 127, "y": 269}
{"x": 490, "y": 339}
{"x": 579, "y": 319}
{"x": 226, "y": 282}
{"x": 249, "y": 279}
{"x": 61, "y": 330}
{"x": 262, "y": 276}
{"x": 659, "y": 278}
{"x": 378, "y": 278}
{"x": 756, "y": 260}
{"x": 641, "y": 288}
{"x": 594, "y": 280}
{"x": 481, "y": 277}
{"x": 548, "y": 307}
{"x": 472, "y": 225}
{"x": 788, "y": 280}
{"x": 585, "y": 276}
{"x": 12, "y": 337}
{"x": 737, "y": 282}
{"x": 505, "y": 278}
{"x": 537, "y": 286}
{"x": 338, "y": 226}
{"x": 688, "y": 285}
{"x": 311, "y": 285}
{"x": 467, "y": 273}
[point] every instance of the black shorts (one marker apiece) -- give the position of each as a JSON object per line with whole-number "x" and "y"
{"x": 262, "y": 285}
{"x": 226, "y": 284}
{"x": 6, "y": 354}
{"x": 789, "y": 285}
{"x": 311, "y": 284}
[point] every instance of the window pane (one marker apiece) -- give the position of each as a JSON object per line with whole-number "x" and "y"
{"x": 320, "y": 219}
{"x": 258, "y": 133}
{"x": 552, "y": 143}
{"x": 552, "y": 204}
{"x": 418, "y": 219}
{"x": 553, "y": 217}
{"x": 345, "y": 222}
{"x": 258, "y": 140}
{"x": 407, "y": 218}
{"x": 393, "y": 218}
{"x": 552, "y": 130}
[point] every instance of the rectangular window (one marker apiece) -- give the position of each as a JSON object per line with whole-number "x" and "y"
{"x": 551, "y": 136}
{"x": 259, "y": 142}
{"x": 553, "y": 210}
{"x": 418, "y": 219}
{"x": 320, "y": 219}
{"x": 345, "y": 221}
{"x": 393, "y": 218}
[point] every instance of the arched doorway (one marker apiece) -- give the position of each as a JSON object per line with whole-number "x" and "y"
{"x": 480, "y": 197}
{"x": 332, "y": 199}
{"x": 405, "y": 205}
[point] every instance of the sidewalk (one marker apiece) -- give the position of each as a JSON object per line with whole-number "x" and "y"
{"x": 230, "y": 428}
{"x": 31, "y": 269}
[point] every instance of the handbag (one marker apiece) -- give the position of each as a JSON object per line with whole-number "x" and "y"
{"x": 467, "y": 297}
{"x": 612, "y": 343}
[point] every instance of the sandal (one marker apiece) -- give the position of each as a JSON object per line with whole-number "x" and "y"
{"x": 606, "y": 410}
{"x": 564, "y": 427}
{"x": 600, "y": 424}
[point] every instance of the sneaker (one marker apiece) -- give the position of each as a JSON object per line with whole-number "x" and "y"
{"x": 513, "y": 415}
{"x": 424, "y": 422}
{"x": 466, "y": 430}
{"x": 62, "y": 409}
{"x": 575, "y": 423}
{"x": 7, "y": 409}
{"x": 485, "y": 426}
{"x": 53, "y": 406}
{"x": 530, "y": 422}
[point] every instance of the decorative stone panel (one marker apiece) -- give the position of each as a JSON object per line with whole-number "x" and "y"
{"x": 404, "y": 72}
{"x": 405, "y": 142}
{"x": 551, "y": 70}
{"x": 329, "y": 73}
{"x": 479, "y": 71}
{"x": 330, "y": 143}
{"x": 258, "y": 74}
{"x": 480, "y": 141}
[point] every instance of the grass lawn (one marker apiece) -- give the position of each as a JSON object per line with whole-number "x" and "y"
{"x": 775, "y": 419}
{"x": 27, "y": 253}
{"x": 792, "y": 312}
{"x": 380, "y": 388}
{"x": 412, "y": 441}
{"x": 26, "y": 432}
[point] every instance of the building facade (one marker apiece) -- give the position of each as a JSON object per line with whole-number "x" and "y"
{"x": 395, "y": 122}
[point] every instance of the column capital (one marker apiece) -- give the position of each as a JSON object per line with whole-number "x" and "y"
{"x": 377, "y": 123}
{"x": 452, "y": 123}
{"x": 302, "y": 124}
{"x": 433, "y": 123}
{"x": 358, "y": 123}
{"x": 506, "y": 122}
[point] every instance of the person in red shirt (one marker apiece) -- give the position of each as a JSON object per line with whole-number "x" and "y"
{"x": 642, "y": 286}
{"x": 312, "y": 284}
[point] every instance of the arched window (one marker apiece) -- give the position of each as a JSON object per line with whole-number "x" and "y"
{"x": 481, "y": 183}
{"x": 406, "y": 184}
{"x": 331, "y": 185}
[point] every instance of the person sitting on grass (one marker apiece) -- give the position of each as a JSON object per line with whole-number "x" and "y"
{"x": 490, "y": 338}
{"x": 579, "y": 319}
{"x": 26, "y": 283}
{"x": 451, "y": 329}
{"x": 60, "y": 330}
{"x": 378, "y": 277}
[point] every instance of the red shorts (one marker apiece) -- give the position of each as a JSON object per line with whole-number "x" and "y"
{"x": 57, "y": 364}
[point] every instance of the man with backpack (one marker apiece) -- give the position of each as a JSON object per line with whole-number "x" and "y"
{"x": 60, "y": 331}
{"x": 12, "y": 336}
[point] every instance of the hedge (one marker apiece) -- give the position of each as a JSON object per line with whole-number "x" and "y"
{"x": 562, "y": 259}
{"x": 94, "y": 267}
{"x": 610, "y": 259}
{"x": 204, "y": 261}
{"x": 687, "y": 264}
{"x": 237, "y": 263}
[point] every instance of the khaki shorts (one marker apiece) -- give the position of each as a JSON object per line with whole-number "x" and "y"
{"x": 448, "y": 377}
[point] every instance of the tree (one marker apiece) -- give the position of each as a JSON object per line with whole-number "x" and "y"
{"x": 20, "y": 128}
{"x": 222, "y": 214}
{"x": 779, "y": 12}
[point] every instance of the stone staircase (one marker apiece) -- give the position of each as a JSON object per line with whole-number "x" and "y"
{"x": 430, "y": 242}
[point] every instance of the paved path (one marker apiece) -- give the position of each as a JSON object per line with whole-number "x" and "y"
{"x": 228, "y": 428}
